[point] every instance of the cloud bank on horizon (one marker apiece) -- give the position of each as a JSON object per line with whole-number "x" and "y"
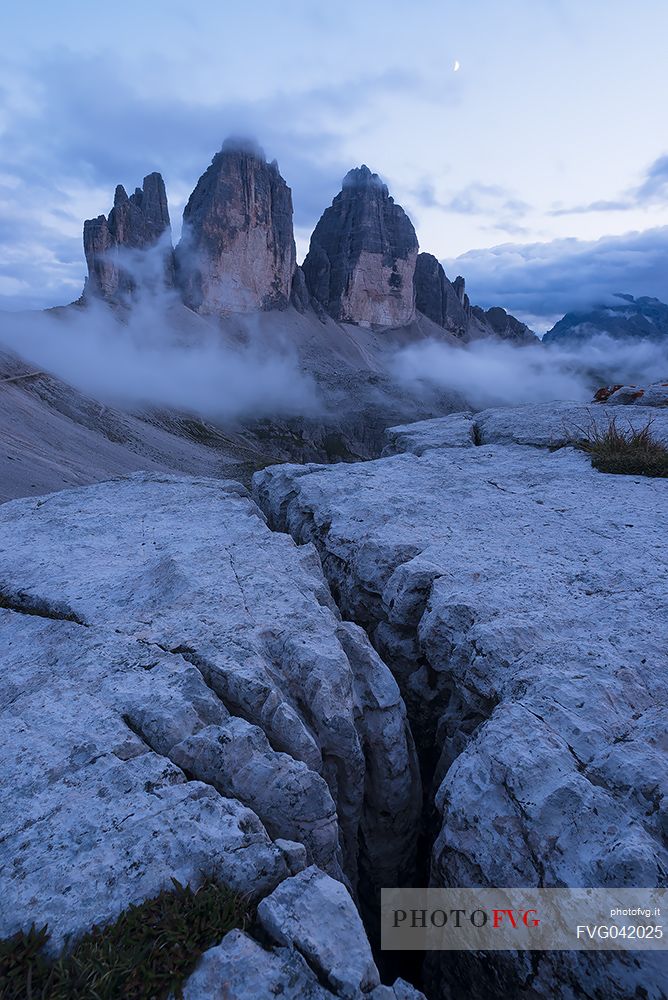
{"x": 518, "y": 145}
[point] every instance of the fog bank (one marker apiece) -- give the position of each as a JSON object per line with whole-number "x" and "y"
{"x": 491, "y": 373}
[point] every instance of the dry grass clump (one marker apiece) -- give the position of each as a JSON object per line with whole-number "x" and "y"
{"x": 625, "y": 451}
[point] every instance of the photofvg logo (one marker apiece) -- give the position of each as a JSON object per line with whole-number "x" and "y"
{"x": 523, "y": 919}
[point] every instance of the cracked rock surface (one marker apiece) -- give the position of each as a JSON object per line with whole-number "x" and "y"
{"x": 543, "y": 425}
{"x": 520, "y": 598}
{"x": 181, "y": 698}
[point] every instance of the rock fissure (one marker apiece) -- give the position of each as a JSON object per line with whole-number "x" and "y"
{"x": 462, "y": 566}
{"x": 27, "y": 604}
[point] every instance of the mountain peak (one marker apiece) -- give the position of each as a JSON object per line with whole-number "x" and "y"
{"x": 362, "y": 177}
{"x": 361, "y": 259}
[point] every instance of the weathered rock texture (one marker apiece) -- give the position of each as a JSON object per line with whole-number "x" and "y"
{"x": 181, "y": 697}
{"x": 315, "y": 949}
{"x": 116, "y": 246}
{"x": 519, "y": 597}
{"x": 237, "y": 253}
{"x": 361, "y": 259}
{"x": 439, "y": 299}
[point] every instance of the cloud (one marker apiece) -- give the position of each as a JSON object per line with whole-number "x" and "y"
{"x": 539, "y": 282}
{"x": 653, "y": 190}
{"x": 147, "y": 360}
{"x": 491, "y": 373}
{"x": 499, "y": 206}
{"x": 655, "y": 186}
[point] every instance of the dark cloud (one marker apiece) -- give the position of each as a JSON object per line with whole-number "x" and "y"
{"x": 539, "y": 282}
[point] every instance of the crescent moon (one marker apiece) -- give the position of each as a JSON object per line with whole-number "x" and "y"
{"x": 456, "y": 67}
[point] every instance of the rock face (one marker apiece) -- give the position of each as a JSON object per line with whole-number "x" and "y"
{"x": 116, "y": 246}
{"x": 643, "y": 318}
{"x": 196, "y": 701}
{"x": 361, "y": 259}
{"x": 500, "y": 581}
{"x": 237, "y": 253}
{"x": 447, "y": 304}
{"x": 439, "y": 299}
{"x": 496, "y": 322}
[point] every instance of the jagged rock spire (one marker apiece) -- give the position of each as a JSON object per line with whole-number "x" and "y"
{"x": 139, "y": 222}
{"x": 237, "y": 253}
{"x": 437, "y": 298}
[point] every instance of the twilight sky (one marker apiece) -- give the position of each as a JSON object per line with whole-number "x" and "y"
{"x": 542, "y": 163}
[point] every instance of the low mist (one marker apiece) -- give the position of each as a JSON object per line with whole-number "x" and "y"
{"x": 161, "y": 355}
{"x": 493, "y": 373}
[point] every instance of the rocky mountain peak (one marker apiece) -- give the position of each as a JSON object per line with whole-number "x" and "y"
{"x": 237, "y": 253}
{"x": 362, "y": 255}
{"x": 138, "y": 222}
{"x": 498, "y": 323}
{"x": 439, "y": 299}
{"x": 362, "y": 177}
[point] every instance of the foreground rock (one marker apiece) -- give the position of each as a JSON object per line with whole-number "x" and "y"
{"x": 655, "y": 394}
{"x": 519, "y": 597}
{"x": 542, "y": 425}
{"x": 315, "y": 948}
{"x": 181, "y": 698}
{"x": 361, "y": 259}
{"x": 131, "y": 247}
{"x": 237, "y": 253}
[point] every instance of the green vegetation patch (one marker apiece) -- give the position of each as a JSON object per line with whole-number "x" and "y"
{"x": 145, "y": 955}
{"x": 624, "y": 451}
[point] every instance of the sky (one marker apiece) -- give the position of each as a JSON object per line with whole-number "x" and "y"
{"x": 538, "y": 169}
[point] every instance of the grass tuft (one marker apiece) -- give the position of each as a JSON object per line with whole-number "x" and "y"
{"x": 624, "y": 451}
{"x": 145, "y": 955}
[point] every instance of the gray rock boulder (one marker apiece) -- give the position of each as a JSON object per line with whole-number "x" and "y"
{"x": 237, "y": 252}
{"x": 241, "y": 969}
{"x": 361, "y": 260}
{"x": 655, "y": 394}
{"x": 314, "y": 915}
{"x": 131, "y": 247}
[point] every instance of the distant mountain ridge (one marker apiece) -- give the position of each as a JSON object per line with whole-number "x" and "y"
{"x": 642, "y": 318}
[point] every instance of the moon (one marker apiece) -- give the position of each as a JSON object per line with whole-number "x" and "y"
{"x": 455, "y": 68}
